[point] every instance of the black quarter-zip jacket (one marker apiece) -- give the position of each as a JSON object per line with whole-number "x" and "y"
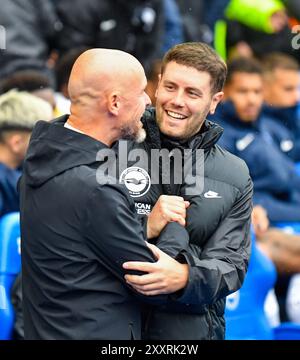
{"x": 218, "y": 223}
{"x": 76, "y": 234}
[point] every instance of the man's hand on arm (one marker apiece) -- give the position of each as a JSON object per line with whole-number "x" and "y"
{"x": 167, "y": 209}
{"x": 163, "y": 277}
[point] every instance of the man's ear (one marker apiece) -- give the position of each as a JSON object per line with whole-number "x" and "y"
{"x": 18, "y": 144}
{"x": 14, "y": 141}
{"x": 215, "y": 101}
{"x": 114, "y": 103}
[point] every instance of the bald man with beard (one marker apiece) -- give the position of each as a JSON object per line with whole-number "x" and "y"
{"x": 76, "y": 231}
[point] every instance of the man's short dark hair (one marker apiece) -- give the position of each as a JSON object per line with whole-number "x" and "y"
{"x": 200, "y": 56}
{"x": 243, "y": 65}
{"x": 281, "y": 61}
{"x": 25, "y": 80}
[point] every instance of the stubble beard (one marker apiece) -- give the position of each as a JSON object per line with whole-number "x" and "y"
{"x": 136, "y": 134}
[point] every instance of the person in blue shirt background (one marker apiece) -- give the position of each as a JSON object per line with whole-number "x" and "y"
{"x": 19, "y": 111}
{"x": 251, "y": 136}
{"x": 281, "y": 94}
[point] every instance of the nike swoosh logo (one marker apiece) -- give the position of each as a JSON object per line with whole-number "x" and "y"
{"x": 212, "y": 195}
{"x": 243, "y": 143}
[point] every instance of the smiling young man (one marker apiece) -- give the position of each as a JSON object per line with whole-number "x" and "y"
{"x": 218, "y": 218}
{"x": 185, "y": 95}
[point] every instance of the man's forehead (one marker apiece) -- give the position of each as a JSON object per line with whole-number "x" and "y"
{"x": 244, "y": 77}
{"x": 188, "y": 75}
{"x": 283, "y": 74}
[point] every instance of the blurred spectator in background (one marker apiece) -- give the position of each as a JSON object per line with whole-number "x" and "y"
{"x": 268, "y": 16}
{"x": 255, "y": 27}
{"x": 34, "y": 82}
{"x": 19, "y": 111}
{"x": 134, "y": 26}
{"x": 282, "y": 248}
{"x": 31, "y": 81}
{"x": 247, "y": 135}
{"x": 198, "y": 18}
{"x": 281, "y": 94}
{"x": 144, "y": 28}
{"x": 276, "y": 186}
{"x": 214, "y": 10}
{"x": 31, "y": 30}
{"x": 281, "y": 80}
{"x": 173, "y": 29}
{"x": 190, "y": 20}
{"x": 193, "y": 20}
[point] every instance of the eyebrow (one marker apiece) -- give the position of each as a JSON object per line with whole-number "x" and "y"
{"x": 198, "y": 91}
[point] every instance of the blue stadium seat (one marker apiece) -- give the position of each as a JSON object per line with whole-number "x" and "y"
{"x": 244, "y": 313}
{"x": 289, "y": 227}
{"x": 298, "y": 168}
{"x": 10, "y": 266}
{"x": 287, "y": 331}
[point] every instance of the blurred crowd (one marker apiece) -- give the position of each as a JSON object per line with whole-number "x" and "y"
{"x": 260, "y": 115}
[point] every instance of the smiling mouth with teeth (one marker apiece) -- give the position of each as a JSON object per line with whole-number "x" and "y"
{"x": 175, "y": 115}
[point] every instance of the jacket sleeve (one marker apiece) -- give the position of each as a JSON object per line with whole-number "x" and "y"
{"x": 221, "y": 266}
{"x": 174, "y": 241}
{"x": 115, "y": 235}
